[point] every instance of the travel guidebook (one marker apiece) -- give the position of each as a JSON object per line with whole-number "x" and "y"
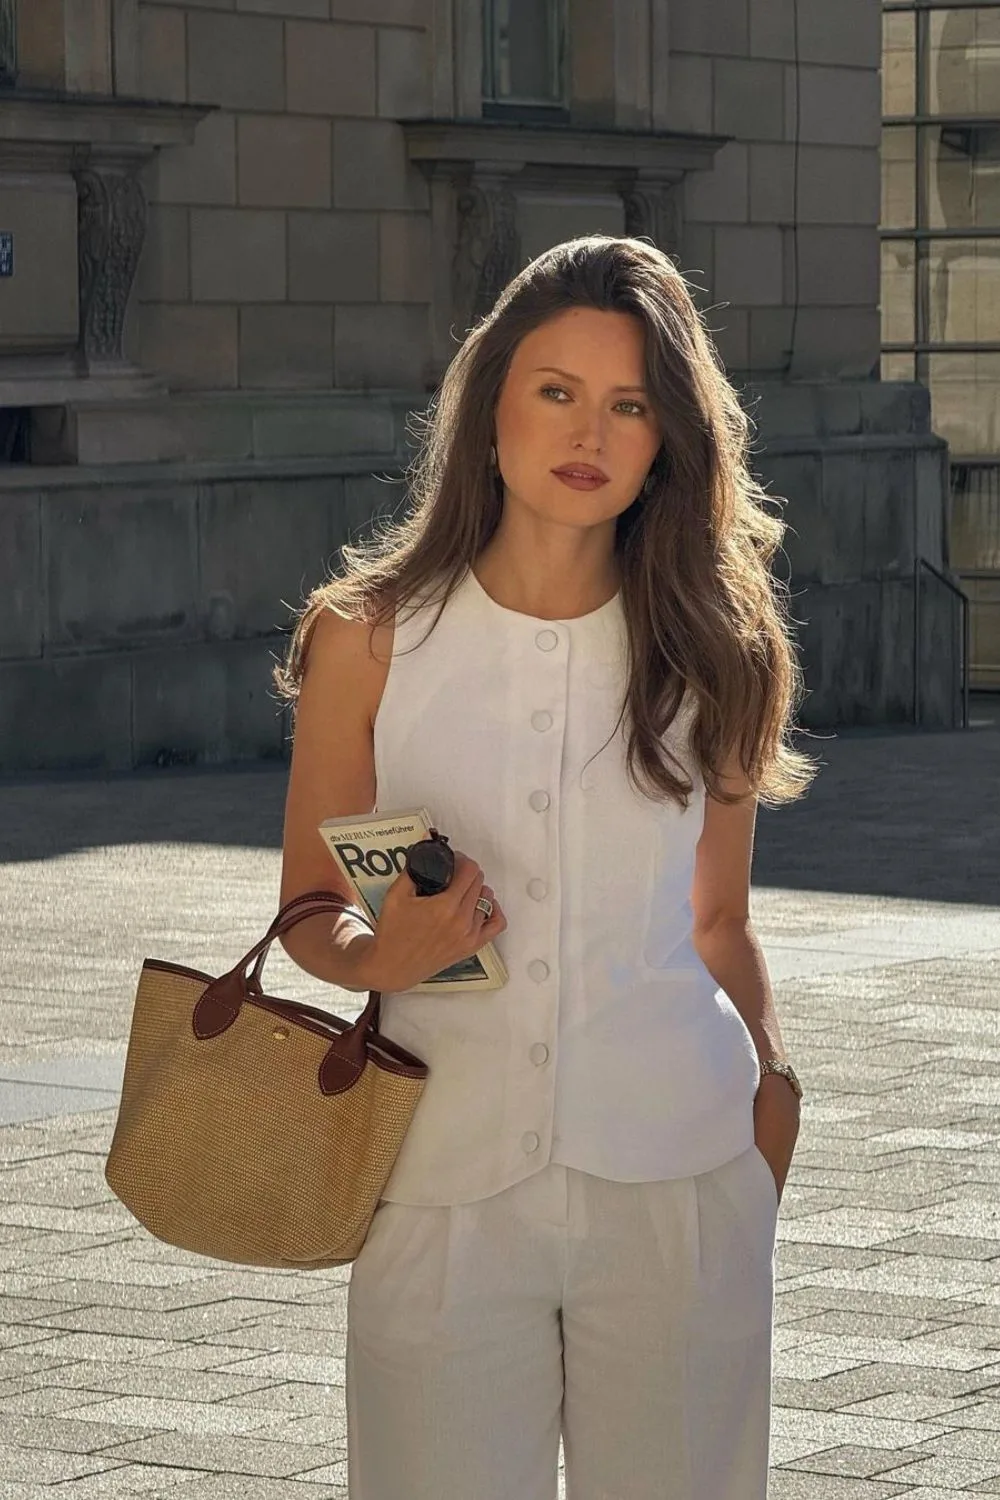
{"x": 370, "y": 853}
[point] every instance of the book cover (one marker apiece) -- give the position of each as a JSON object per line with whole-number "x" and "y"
{"x": 370, "y": 853}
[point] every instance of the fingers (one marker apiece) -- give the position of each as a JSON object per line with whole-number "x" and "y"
{"x": 468, "y": 876}
{"x": 461, "y": 895}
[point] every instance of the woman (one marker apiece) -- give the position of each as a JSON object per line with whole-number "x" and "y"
{"x": 572, "y": 653}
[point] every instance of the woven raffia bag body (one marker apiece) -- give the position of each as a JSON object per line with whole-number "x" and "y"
{"x": 252, "y": 1129}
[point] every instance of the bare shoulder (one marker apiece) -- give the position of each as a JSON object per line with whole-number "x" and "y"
{"x": 332, "y": 771}
{"x": 350, "y": 659}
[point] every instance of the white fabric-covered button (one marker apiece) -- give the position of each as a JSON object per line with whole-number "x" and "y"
{"x": 539, "y": 1054}
{"x": 537, "y": 890}
{"x": 538, "y": 969}
{"x": 546, "y": 640}
{"x": 541, "y": 719}
{"x": 539, "y": 800}
{"x": 529, "y": 1142}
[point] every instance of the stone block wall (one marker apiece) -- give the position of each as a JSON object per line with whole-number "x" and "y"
{"x": 298, "y": 195}
{"x": 783, "y": 229}
{"x": 143, "y": 611}
{"x": 865, "y": 480}
{"x": 288, "y": 247}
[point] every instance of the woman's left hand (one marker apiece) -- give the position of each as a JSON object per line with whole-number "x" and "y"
{"x": 776, "y": 1125}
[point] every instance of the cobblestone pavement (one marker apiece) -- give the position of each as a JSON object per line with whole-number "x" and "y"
{"x": 127, "y": 1367}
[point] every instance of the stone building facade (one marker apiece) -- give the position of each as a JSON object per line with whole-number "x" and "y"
{"x": 243, "y": 237}
{"x": 941, "y": 269}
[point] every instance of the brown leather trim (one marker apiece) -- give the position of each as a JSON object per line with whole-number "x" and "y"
{"x": 383, "y": 1052}
{"x": 169, "y": 968}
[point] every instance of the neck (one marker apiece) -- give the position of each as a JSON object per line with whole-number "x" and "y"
{"x": 544, "y": 598}
{"x": 539, "y": 586}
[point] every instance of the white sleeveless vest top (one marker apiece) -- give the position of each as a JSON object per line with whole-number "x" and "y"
{"x": 611, "y": 1048}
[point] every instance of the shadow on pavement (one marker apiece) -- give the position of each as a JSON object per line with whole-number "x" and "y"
{"x": 891, "y": 813}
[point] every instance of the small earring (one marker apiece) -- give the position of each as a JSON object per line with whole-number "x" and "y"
{"x": 493, "y": 457}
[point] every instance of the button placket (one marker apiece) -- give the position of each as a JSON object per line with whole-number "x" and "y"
{"x": 547, "y": 720}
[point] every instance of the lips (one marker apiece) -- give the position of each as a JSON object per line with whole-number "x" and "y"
{"x": 581, "y": 476}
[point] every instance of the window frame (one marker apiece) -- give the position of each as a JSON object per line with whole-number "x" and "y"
{"x": 920, "y": 233}
{"x": 511, "y": 108}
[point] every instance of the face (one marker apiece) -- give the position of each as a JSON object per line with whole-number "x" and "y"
{"x": 575, "y": 432}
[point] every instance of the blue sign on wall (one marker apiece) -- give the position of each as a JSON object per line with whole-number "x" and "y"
{"x": 6, "y": 253}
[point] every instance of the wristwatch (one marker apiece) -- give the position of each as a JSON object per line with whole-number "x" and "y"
{"x": 772, "y": 1065}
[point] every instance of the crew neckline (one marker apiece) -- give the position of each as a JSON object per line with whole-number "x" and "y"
{"x": 517, "y": 614}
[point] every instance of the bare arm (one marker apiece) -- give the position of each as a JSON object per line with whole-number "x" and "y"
{"x": 727, "y": 944}
{"x": 332, "y": 775}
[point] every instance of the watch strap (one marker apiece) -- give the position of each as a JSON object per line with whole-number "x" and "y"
{"x": 774, "y": 1065}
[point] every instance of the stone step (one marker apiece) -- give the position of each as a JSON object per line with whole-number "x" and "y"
{"x": 236, "y": 426}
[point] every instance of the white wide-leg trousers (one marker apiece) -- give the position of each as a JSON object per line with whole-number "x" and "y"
{"x": 634, "y": 1318}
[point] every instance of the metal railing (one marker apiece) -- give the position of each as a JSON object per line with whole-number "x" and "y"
{"x": 974, "y": 558}
{"x": 962, "y": 665}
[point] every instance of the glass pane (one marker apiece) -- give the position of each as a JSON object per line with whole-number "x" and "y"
{"x": 899, "y": 177}
{"x": 898, "y": 269}
{"x": 963, "y": 285}
{"x": 8, "y": 40}
{"x": 963, "y": 176}
{"x": 963, "y": 66}
{"x": 965, "y": 401}
{"x": 526, "y": 38}
{"x": 899, "y": 83}
{"x": 975, "y": 517}
{"x": 897, "y": 367}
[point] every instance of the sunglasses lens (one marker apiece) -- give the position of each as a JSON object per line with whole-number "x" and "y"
{"x": 431, "y": 863}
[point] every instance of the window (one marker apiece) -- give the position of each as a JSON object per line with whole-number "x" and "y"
{"x": 8, "y": 41}
{"x": 965, "y": 396}
{"x": 941, "y": 211}
{"x": 524, "y": 58}
{"x": 961, "y": 165}
{"x": 963, "y": 61}
{"x": 899, "y": 78}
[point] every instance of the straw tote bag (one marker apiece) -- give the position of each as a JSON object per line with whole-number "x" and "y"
{"x": 252, "y": 1129}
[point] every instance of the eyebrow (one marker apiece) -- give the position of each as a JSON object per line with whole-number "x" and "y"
{"x": 576, "y": 379}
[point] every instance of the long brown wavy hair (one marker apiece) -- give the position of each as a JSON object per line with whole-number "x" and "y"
{"x": 703, "y": 611}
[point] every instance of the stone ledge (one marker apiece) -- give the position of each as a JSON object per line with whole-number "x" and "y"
{"x": 485, "y": 143}
{"x": 47, "y": 117}
{"x": 107, "y": 476}
{"x": 227, "y": 428}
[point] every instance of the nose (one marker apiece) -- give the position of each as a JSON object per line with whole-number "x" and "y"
{"x": 589, "y": 430}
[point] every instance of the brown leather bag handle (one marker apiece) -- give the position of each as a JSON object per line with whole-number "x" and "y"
{"x": 222, "y": 1000}
{"x": 308, "y": 897}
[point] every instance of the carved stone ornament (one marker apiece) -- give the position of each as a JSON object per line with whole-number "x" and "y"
{"x": 486, "y": 250}
{"x": 651, "y": 210}
{"x": 112, "y": 226}
{"x": 8, "y": 40}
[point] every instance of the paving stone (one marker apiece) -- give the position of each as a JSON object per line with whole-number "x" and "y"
{"x": 93, "y": 1379}
{"x": 219, "y": 1487}
{"x": 908, "y": 1406}
{"x": 42, "y": 1466}
{"x": 132, "y": 1479}
{"x": 862, "y": 1463}
{"x": 293, "y": 1398}
{"x": 963, "y": 1442}
{"x": 227, "y": 1455}
{"x": 980, "y": 1414}
{"x": 949, "y": 1473}
{"x": 67, "y": 1434}
{"x": 329, "y": 1370}
{"x": 787, "y": 1484}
